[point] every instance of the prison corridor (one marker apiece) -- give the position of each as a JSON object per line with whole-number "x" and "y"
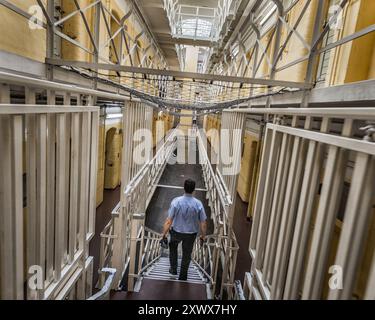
{"x": 108, "y": 106}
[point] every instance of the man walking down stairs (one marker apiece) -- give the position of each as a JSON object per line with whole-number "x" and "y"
{"x": 186, "y": 216}
{"x": 176, "y": 278}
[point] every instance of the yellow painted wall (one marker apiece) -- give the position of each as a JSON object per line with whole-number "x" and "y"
{"x": 75, "y": 29}
{"x": 250, "y": 149}
{"x": 264, "y": 68}
{"x": 17, "y": 37}
{"x": 101, "y": 166}
{"x": 24, "y": 41}
{"x": 354, "y": 60}
{"x": 295, "y": 48}
{"x": 112, "y": 159}
{"x": 371, "y": 74}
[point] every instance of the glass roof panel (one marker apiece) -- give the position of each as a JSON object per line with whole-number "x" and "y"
{"x": 203, "y": 23}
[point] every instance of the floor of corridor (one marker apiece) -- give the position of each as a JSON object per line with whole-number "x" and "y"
{"x": 164, "y": 290}
{"x": 103, "y": 216}
{"x": 171, "y": 183}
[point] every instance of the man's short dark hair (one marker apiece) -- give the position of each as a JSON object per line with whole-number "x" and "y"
{"x": 189, "y": 186}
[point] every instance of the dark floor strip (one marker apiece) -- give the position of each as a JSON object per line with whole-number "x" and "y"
{"x": 103, "y": 215}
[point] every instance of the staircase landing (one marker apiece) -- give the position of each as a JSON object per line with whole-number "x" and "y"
{"x": 159, "y": 284}
{"x": 164, "y": 290}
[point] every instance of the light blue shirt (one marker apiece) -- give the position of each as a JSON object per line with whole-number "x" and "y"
{"x": 186, "y": 212}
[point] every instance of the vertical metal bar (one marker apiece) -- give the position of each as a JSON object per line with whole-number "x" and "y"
{"x": 41, "y": 200}
{"x": 7, "y": 290}
{"x": 6, "y": 262}
{"x": 276, "y": 211}
{"x": 93, "y": 171}
{"x": 326, "y": 215}
{"x": 31, "y": 188}
{"x": 265, "y": 159}
{"x": 276, "y": 46}
{"x": 357, "y": 215}
{"x": 60, "y": 194}
{"x": 83, "y": 188}
{"x": 51, "y": 146}
{"x": 309, "y": 189}
{"x": 50, "y": 36}
{"x": 68, "y": 120}
{"x": 287, "y": 221}
{"x": 268, "y": 194}
{"x": 17, "y": 207}
{"x": 370, "y": 290}
{"x": 74, "y": 182}
{"x": 96, "y": 37}
{"x": 313, "y": 56}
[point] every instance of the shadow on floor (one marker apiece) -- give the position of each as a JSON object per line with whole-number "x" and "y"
{"x": 164, "y": 290}
{"x": 242, "y": 229}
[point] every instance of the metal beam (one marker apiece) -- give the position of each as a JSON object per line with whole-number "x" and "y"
{"x": 348, "y": 95}
{"x": 21, "y": 12}
{"x": 189, "y": 42}
{"x": 179, "y": 74}
{"x": 344, "y": 113}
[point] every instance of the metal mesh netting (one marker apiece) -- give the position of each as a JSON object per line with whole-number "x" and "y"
{"x": 194, "y": 95}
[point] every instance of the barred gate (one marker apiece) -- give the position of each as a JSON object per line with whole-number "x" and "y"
{"x": 308, "y": 157}
{"x": 47, "y": 190}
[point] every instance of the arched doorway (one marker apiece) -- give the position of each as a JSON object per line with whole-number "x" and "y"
{"x": 113, "y": 158}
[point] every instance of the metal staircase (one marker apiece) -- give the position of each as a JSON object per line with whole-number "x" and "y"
{"x": 133, "y": 250}
{"x": 160, "y": 271}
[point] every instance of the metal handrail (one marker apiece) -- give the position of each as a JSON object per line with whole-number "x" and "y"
{"x": 104, "y": 293}
{"x": 239, "y": 293}
{"x": 224, "y": 247}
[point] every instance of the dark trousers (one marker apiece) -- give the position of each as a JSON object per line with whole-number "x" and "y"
{"x": 187, "y": 247}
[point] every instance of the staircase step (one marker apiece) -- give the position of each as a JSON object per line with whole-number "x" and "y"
{"x": 160, "y": 271}
{"x": 190, "y": 273}
{"x": 174, "y": 279}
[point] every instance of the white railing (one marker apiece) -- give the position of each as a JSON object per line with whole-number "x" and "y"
{"x": 206, "y": 257}
{"x": 107, "y": 237}
{"x": 313, "y": 215}
{"x": 130, "y": 213}
{"x": 221, "y": 248}
{"x": 105, "y": 291}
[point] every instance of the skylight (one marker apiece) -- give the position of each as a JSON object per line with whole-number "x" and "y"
{"x": 199, "y": 23}
{"x": 196, "y": 28}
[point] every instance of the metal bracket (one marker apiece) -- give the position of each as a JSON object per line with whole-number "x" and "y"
{"x": 369, "y": 132}
{"x": 139, "y": 216}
